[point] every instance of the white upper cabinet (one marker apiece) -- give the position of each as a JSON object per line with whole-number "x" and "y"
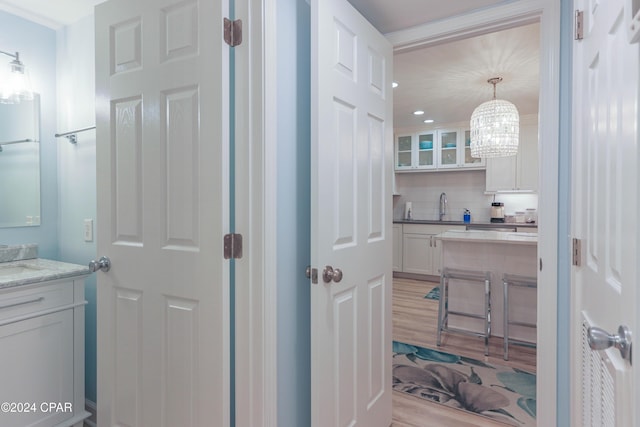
{"x": 454, "y": 148}
{"x": 415, "y": 151}
{"x": 435, "y": 150}
{"x": 519, "y": 172}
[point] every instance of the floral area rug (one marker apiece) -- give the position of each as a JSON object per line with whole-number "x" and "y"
{"x": 501, "y": 393}
{"x": 434, "y": 293}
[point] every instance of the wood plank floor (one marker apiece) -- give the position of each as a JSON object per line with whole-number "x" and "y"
{"x": 415, "y": 322}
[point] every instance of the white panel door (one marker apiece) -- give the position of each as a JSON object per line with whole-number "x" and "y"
{"x": 605, "y": 188}
{"x": 163, "y": 316}
{"x": 352, "y": 162}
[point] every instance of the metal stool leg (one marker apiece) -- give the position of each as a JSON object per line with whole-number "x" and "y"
{"x": 487, "y": 315}
{"x": 505, "y": 292}
{"x": 477, "y": 277}
{"x": 519, "y": 282}
{"x": 442, "y": 308}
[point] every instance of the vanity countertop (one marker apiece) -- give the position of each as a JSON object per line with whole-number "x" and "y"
{"x": 29, "y": 271}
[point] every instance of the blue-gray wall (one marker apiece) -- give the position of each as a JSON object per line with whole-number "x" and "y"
{"x": 77, "y": 167}
{"x": 294, "y": 213}
{"x": 37, "y": 47}
{"x": 61, "y": 65}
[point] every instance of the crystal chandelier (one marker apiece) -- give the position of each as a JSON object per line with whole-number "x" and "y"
{"x": 495, "y": 127}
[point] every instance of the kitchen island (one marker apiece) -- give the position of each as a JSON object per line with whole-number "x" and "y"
{"x": 497, "y": 252}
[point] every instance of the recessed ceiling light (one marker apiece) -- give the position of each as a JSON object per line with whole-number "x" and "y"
{"x": 418, "y": 112}
{"x": 394, "y": 85}
{"x": 428, "y": 121}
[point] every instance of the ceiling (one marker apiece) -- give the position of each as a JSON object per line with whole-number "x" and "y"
{"x": 388, "y": 16}
{"x": 446, "y": 81}
{"x": 51, "y": 13}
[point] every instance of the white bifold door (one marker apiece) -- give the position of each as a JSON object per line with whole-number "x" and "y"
{"x": 605, "y": 186}
{"x": 351, "y": 157}
{"x": 163, "y": 308}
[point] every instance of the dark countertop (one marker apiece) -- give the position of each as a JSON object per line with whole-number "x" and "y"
{"x": 474, "y": 223}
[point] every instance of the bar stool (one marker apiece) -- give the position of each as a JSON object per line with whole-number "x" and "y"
{"x": 479, "y": 277}
{"x": 513, "y": 280}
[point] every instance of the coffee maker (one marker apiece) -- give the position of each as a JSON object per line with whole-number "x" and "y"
{"x": 497, "y": 212}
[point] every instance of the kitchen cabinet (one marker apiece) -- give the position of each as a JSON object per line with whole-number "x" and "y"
{"x": 434, "y": 150}
{"x": 415, "y": 151}
{"x": 519, "y": 172}
{"x": 397, "y": 247}
{"x": 42, "y": 352}
{"x": 454, "y": 148}
{"x": 421, "y": 252}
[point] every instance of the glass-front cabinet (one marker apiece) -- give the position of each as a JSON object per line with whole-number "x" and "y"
{"x": 426, "y": 155}
{"x": 415, "y": 151}
{"x": 404, "y": 152}
{"x": 448, "y": 146}
{"x": 435, "y": 149}
{"x": 470, "y": 161}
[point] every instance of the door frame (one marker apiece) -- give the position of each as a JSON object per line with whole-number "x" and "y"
{"x": 256, "y": 316}
{"x": 256, "y": 162}
{"x": 495, "y": 19}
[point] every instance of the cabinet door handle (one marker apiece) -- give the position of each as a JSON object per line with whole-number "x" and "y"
{"x": 430, "y": 241}
{"x": 15, "y": 304}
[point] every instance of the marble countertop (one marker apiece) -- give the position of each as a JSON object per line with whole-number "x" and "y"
{"x": 488, "y": 236}
{"x": 29, "y": 271}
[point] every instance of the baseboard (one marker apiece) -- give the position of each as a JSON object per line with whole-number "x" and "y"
{"x": 90, "y": 407}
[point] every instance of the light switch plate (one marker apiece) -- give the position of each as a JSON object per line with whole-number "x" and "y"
{"x": 88, "y": 230}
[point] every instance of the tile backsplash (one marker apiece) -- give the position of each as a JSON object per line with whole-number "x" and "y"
{"x": 464, "y": 189}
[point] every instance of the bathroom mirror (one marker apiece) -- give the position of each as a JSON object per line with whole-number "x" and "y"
{"x": 20, "y": 163}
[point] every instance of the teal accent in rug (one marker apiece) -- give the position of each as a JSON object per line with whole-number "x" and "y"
{"x": 434, "y": 293}
{"x": 498, "y": 392}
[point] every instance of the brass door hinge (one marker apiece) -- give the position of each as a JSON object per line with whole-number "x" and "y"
{"x": 232, "y": 32}
{"x": 233, "y": 246}
{"x": 579, "y": 25}
{"x": 576, "y": 252}
{"x": 312, "y": 273}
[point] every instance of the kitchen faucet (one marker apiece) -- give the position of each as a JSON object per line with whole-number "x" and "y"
{"x": 443, "y": 205}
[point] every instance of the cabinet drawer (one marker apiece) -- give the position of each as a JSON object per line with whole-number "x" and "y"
{"x": 20, "y": 302}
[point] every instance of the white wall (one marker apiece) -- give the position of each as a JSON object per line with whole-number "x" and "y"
{"x": 465, "y": 189}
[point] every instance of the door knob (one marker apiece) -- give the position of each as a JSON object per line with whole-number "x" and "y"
{"x": 599, "y": 339}
{"x": 104, "y": 264}
{"x": 329, "y": 274}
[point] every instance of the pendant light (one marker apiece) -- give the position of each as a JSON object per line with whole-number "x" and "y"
{"x": 15, "y": 85}
{"x": 495, "y": 127}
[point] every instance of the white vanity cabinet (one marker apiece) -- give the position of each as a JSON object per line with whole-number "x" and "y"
{"x": 42, "y": 353}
